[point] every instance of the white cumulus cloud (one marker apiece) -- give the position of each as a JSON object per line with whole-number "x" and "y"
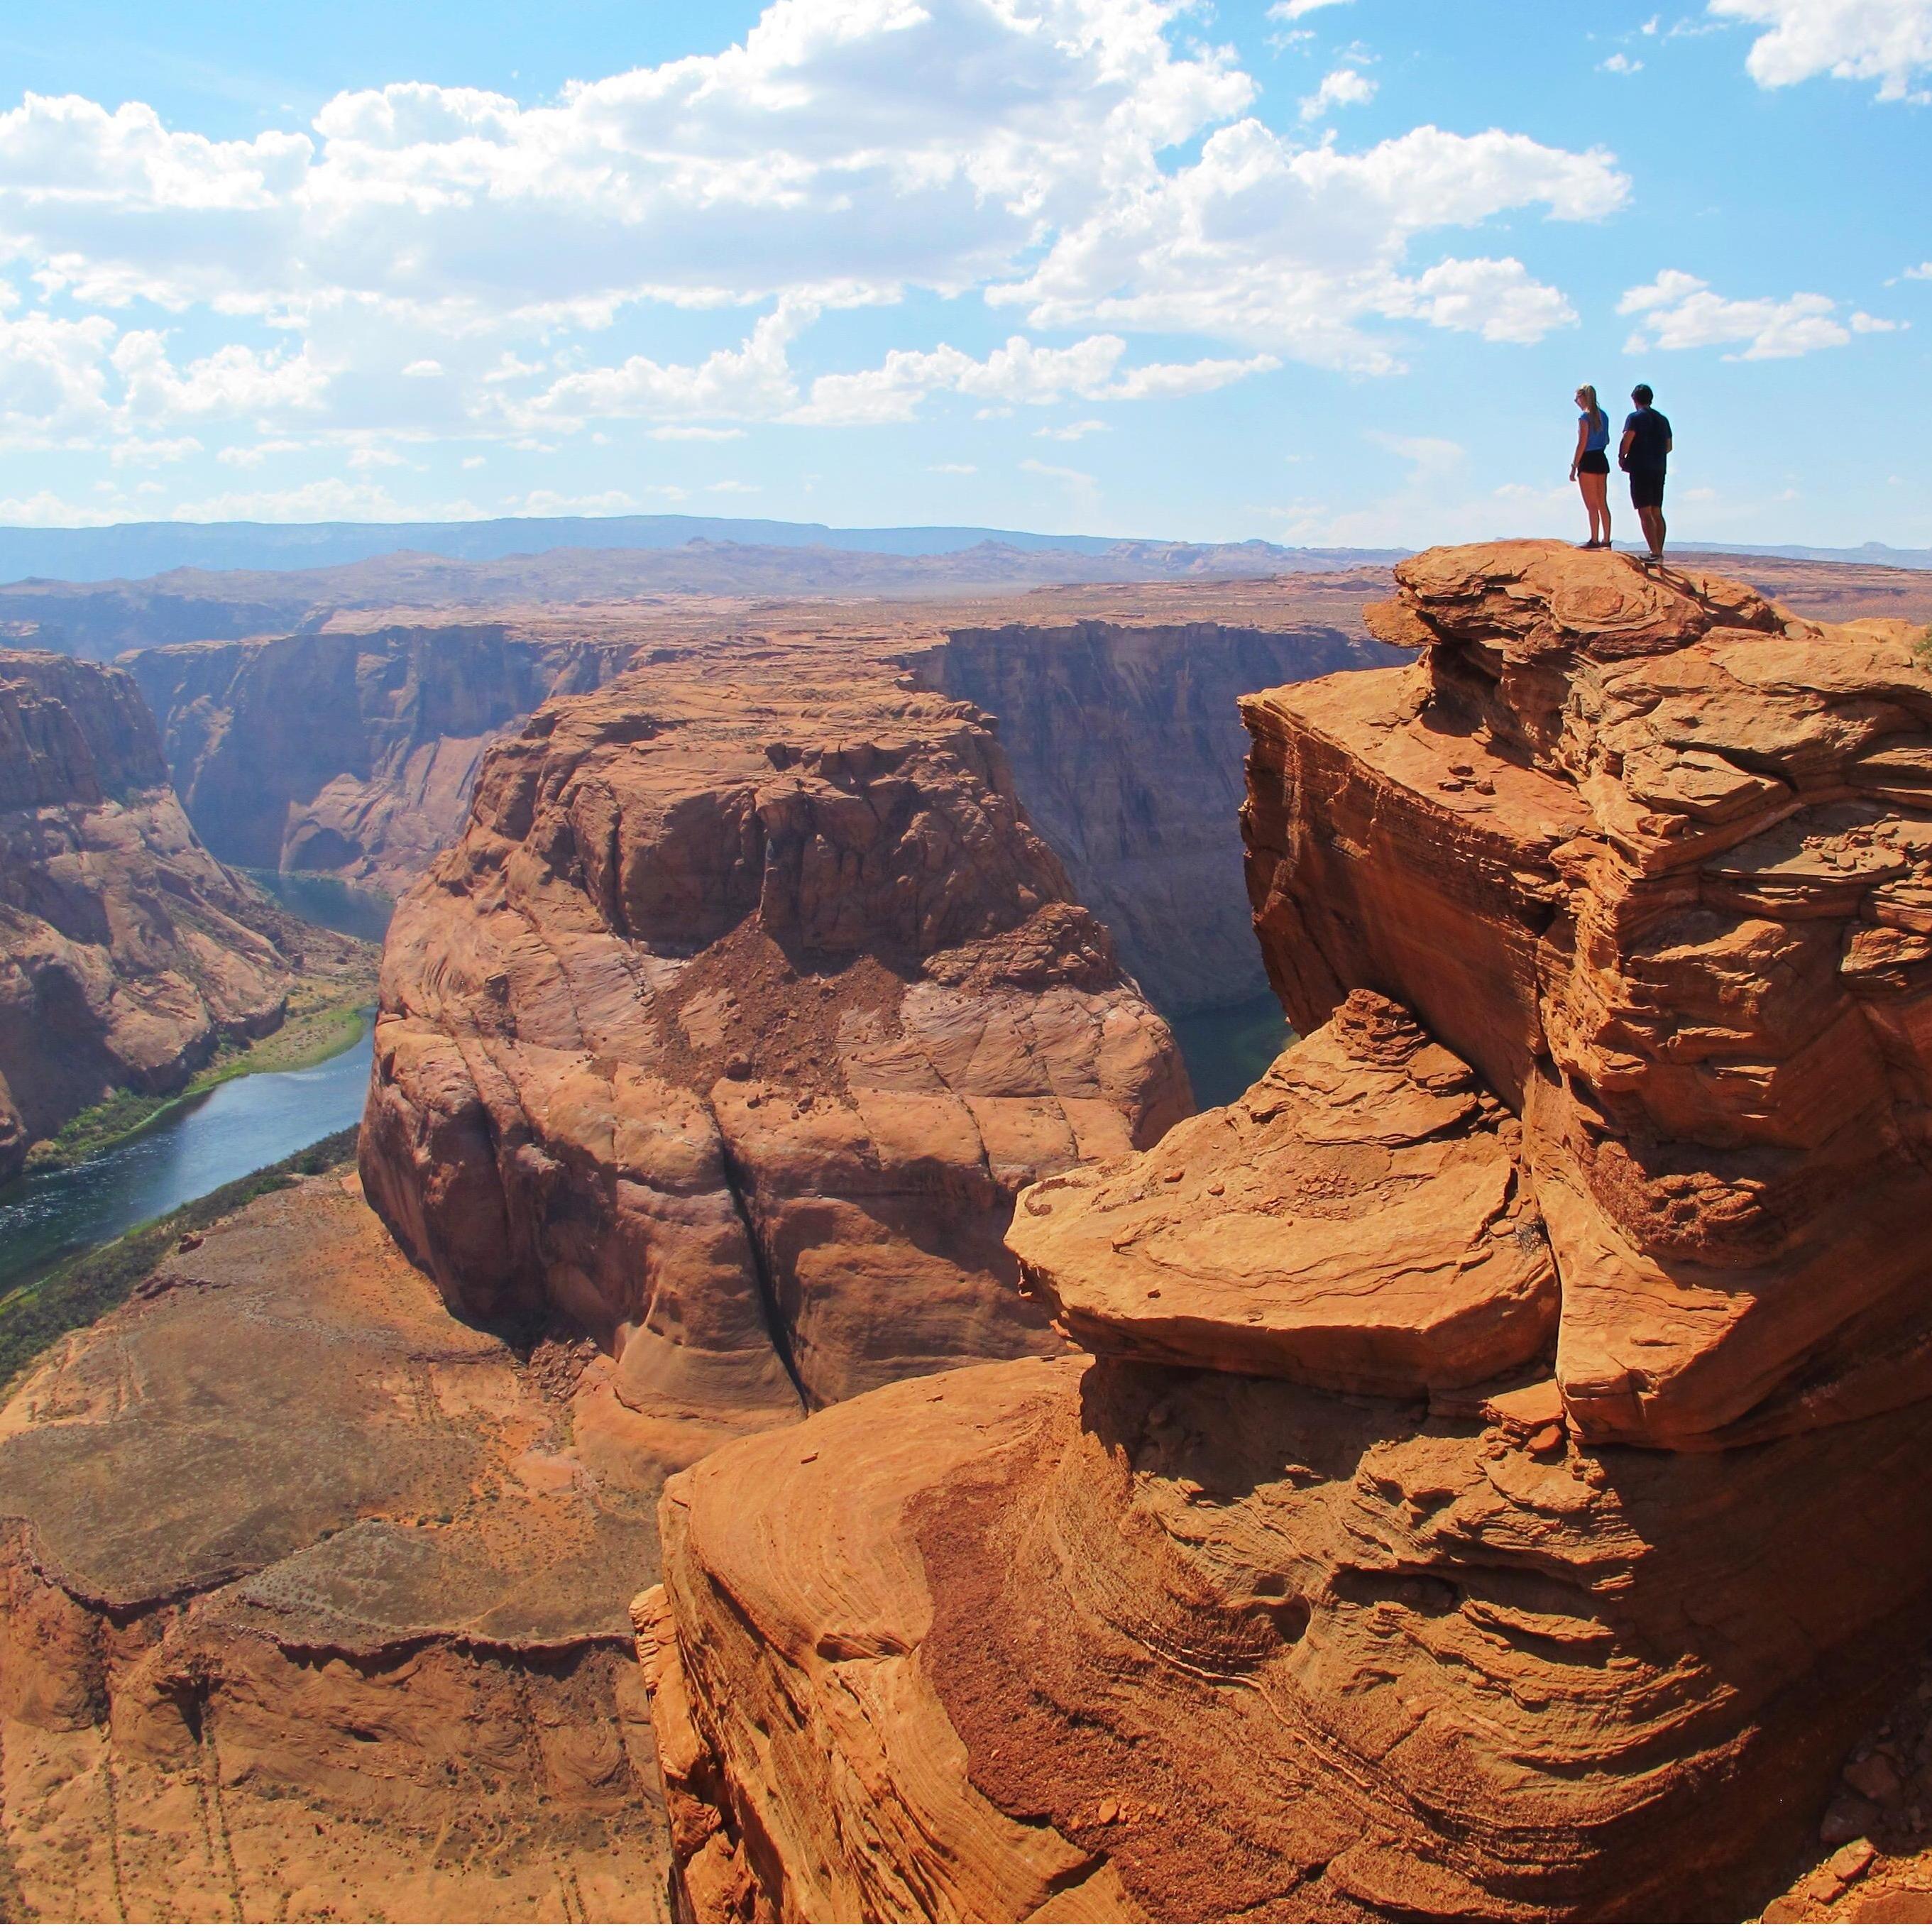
{"x": 1344, "y": 88}
{"x": 1889, "y": 41}
{"x": 1682, "y": 311}
{"x": 1294, "y": 249}
{"x": 420, "y": 262}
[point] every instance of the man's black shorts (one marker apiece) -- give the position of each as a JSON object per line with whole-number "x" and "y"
{"x": 1646, "y": 489}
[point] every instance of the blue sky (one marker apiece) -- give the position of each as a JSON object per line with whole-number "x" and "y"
{"x": 1319, "y": 271}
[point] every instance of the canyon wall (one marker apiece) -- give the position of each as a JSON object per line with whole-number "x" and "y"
{"x": 354, "y": 752}
{"x": 1126, "y": 744}
{"x": 346, "y": 751}
{"x": 729, "y": 1030}
{"x": 127, "y": 953}
{"x": 1418, "y": 1541}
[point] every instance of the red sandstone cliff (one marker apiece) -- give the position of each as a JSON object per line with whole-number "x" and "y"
{"x": 127, "y": 953}
{"x": 728, "y": 1032}
{"x": 1421, "y": 1540}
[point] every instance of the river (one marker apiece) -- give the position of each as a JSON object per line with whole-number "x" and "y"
{"x": 203, "y": 1143}
{"x": 215, "y": 1138}
{"x": 1227, "y": 1050}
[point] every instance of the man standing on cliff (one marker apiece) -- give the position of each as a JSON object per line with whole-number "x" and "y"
{"x": 1644, "y": 454}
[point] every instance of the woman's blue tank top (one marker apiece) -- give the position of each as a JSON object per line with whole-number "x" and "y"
{"x": 1597, "y": 437}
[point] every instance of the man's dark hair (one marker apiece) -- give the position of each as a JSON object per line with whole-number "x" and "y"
{"x": 1642, "y": 395}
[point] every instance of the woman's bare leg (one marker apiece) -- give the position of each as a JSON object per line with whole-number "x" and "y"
{"x": 1596, "y": 499}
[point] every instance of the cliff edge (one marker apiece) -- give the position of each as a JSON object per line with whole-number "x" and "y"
{"x": 1418, "y": 1540}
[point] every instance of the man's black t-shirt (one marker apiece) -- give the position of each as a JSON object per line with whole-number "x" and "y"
{"x": 1650, "y": 448}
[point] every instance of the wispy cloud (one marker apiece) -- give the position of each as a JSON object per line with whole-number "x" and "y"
{"x": 1344, "y": 88}
{"x": 1682, "y": 311}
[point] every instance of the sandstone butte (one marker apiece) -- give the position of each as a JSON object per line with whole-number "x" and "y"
{"x": 1494, "y": 1489}
{"x": 127, "y": 953}
{"x": 727, "y": 1033}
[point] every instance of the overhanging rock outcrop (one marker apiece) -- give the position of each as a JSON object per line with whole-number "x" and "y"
{"x": 1657, "y": 860}
{"x": 728, "y": 1032}
{"x": 1487, "y": 1498}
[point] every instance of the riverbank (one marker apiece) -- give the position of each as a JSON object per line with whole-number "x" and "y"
{"x": 80, "y": 1290}
{"x": 326, "y": 1018}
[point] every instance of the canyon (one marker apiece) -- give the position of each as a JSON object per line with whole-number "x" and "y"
{"x": 352, "y": 748}
{"x": 128, "y": 954}
{"x": 1369, "y": 1498}
{"x": 1415, "y": 1539}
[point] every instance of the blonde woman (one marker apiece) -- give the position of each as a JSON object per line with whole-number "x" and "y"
{"x": 1590, "y": 467}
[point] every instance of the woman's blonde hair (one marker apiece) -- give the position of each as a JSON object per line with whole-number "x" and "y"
{"x": 1587, "y": 391}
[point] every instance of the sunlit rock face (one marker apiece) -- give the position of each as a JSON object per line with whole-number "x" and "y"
{"x": 1493, "y": 1491}
{"x": 728, "y": 1033}
{"x": 1656, "y": 860}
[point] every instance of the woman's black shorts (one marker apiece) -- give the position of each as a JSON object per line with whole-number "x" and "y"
{"x": 1593, "y": 462}
{"x": 1646, "y": 489}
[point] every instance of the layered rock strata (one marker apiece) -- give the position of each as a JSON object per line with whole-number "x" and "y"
{"x": 312, "y": 1604}
{"x": 127, "y": 953}
{"x": 1684, "y": 931}
{"x": 1126, "y": 745}
{"x": 728, "y": 1033}
{"x": 1419, "y": 1541}
{"x": 346, "y": 751}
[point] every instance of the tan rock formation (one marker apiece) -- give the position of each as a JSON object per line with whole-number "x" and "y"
{"x": 1423, "y": 1545}
{"x": 1675, "y": 928}
{"x": 1358, "y": 1221}
{"x": 128, "y": 954}
{"x": 728, "y": 1034}
{"x": 312, "y": 1604}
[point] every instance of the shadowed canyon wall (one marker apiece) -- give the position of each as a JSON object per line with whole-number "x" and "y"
{"x": 128, "y": 954}
{"x": 344, "y": 752}
{"x": 355, "y": 752}
{"x": 1126, "y": 746}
